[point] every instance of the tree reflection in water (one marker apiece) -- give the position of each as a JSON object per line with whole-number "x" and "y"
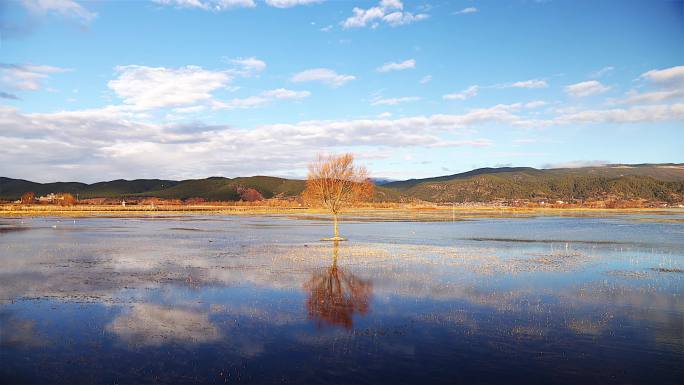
{"x": 335, "y": 295}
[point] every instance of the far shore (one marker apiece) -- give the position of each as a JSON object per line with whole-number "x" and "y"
{"x": 421, "y": 212}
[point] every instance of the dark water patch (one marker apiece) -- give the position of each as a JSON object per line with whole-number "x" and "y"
{"x": 668, "y": 270}
{"x": 630, "y": 274}
{"x": 9, "y": 229}
{"x": 517, "y": 240}
{"x": 185, "y": 229}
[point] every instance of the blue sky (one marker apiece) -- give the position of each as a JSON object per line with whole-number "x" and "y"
{"x": 193, "y": 88}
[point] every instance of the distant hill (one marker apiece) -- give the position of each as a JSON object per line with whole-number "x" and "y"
{"x": 382, "y": 181}
{"x": 214, "y": 188}
{"x": 404, "y": 184}
{"x": 662, "y": 182}
{"x": 225, "y": 189}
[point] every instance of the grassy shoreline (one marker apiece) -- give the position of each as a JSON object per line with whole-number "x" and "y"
{"x": 425, "y": 212}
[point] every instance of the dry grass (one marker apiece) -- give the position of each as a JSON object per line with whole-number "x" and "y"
{"x": 379, "y": 211}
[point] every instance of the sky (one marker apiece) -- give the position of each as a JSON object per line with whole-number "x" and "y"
{"x": 186, "y": 89}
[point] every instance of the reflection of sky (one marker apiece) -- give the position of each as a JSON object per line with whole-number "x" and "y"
{"x": 104, "y": 288}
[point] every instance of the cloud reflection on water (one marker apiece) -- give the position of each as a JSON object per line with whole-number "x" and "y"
{"x": 149, "y": 324}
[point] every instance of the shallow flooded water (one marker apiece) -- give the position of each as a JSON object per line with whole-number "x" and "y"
{"x": 197, "y": 299}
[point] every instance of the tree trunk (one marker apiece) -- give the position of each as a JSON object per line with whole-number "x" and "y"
{"x": 337, "y": 230}
{"x": 336, "y": 252}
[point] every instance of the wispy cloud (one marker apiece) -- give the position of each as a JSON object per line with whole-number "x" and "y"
{"x": 397, "y": 66}
{"x": 425, "y": 79}
{"x": 261, "y": 99}
{"x": 463, "y": 95}
{"x": 65, "y": 8}
{"x": 393, "y": 101}
{"x": 588, "y": 88}
{"x": 672, "y": 77}
{"x": 668, "y": 84}
{"x": 465, "y": 11}
{"x": 208, "y": 5}
{"x": 291, "y": 3}
{"x": 532, "y": 83}
{"x": 26, "y": 77}
{"x": 636, "y": 114}
{"x": 602, "y": 72}
{"x": 636, "y": 97}
{"x": 322, "y": 75}
{"x": 535, "y": 104}
{"x": 248, "y": 66}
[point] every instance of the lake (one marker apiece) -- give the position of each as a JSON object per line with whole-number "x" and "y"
{"x": 259, "y": 299}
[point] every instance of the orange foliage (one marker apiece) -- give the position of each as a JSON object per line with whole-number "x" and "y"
{"x": 65, "y": 199}
{"x": 28, "y": 198}
{"x": 334, "y": 183}
{"x": 249, "y": 194}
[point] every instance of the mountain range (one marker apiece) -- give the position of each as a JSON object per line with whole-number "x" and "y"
{"x": 661, "y": 182}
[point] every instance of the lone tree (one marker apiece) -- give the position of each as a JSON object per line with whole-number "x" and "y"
{"x": 335, "y": 183}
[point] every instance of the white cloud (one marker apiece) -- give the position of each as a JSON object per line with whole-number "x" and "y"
{"x": 248, "y": 66}
{"x": 189, "y": 110}
{"x": 290, "y": 3}
{"x": 26, "y": 77}
{"x": 65, "y": 8}
{"x": 672, "y": 77}
{"x": 535, "y": 104}
{"x": 426, "y": 79}
{"x": 668, "y": 82}
{"x": 463, "y": 95}
{"x": 393, "y": 101}
{"x": 155, "y": 87}
{"x": 635, "y": 97}
{"x": 393, "y": 66}
{"x": 637, "y": 114}
{"x": 466, "y": 11}
{"x": 396, "y": 19}
{"x": 323, "y": 75}
{"x": 222, "y": 5}
{"x": 588, "y": 88}
{"x": 390, "y": 12}
{"x": 261, "y": 99}
{"x": 128, "y": 143}
{"x": 327, "y": 28}
{"x": 208, "y": 5}
{"x": 461, "y": 143}
{"x": 532, "y": 83}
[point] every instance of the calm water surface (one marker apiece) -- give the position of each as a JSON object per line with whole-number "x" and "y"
{"x": 260, "y": 300}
